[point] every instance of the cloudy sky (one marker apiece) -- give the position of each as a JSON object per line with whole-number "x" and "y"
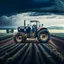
{"x": 12, "y": 12}
{"x": 10, "y": 7}
{"x": 17, "y": 6}
{"x": 18, "y": 19}
{"x": 41, "y": 0}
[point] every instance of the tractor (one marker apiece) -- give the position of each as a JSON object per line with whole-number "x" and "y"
{"x": 32, "y": 30}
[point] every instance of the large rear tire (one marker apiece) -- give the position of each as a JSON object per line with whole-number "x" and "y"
{"x": 43, "y": 36}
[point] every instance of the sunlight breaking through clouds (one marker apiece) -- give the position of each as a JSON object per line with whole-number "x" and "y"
{"x": 18, "y": 19}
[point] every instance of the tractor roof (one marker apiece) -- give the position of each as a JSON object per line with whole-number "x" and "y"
{"x": 34, "y": 21}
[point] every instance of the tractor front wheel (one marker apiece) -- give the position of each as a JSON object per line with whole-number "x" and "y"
{"x": 19, "y": 38}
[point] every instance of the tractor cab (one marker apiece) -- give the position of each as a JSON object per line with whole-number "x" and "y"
{"x": 34, "y": 25}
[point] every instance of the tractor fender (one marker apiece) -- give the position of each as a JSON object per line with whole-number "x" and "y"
{"x": 39, "y": 29}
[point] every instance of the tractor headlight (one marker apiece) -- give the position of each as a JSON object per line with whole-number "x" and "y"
{"x": 19, "y": 29}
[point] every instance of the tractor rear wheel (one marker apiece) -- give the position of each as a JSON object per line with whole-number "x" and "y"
{"x": 43, "y": 36}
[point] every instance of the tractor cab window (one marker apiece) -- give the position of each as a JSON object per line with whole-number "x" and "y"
{"x": 34, "y": 28}
{"x": 34, "y": 24}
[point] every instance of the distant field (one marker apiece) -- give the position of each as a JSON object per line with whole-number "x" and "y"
{"x": 58, "y": 35}
{"x": 4, "y": 36}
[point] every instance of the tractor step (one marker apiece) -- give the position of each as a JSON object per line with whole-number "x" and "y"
{"x": 31, "y": 40}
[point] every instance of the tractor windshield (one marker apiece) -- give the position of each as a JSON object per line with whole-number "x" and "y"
{"x": 35, "y": 24}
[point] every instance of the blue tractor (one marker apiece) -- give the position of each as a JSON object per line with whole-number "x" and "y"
{"x": 34, "y": 30}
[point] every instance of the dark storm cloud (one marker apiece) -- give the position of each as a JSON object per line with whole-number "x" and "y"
{"x": 8, "y": 7}
{"x": 13, "y": 20}
{"x": 41, "y": 0}
{"x": 5, "y": 21}
{"x": 8, "y": 21}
